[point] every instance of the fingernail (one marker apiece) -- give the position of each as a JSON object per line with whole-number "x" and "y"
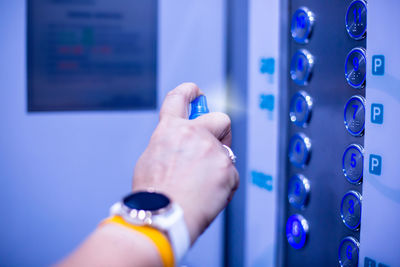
{"x": 199, "y": 107}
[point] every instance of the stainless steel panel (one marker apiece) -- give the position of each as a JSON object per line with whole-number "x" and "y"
{"x": 329, "y": 45}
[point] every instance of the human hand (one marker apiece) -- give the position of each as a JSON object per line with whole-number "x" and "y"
{"x": 186, "y": 161}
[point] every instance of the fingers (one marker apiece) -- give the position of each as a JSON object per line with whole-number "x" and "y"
{"x": 176, "y": 103}
{"x": 218, "y": 124}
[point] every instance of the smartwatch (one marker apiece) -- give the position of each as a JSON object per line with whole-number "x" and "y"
{"x": 156, "y": 210}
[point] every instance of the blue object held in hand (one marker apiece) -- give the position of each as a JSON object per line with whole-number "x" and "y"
{"x": 199, "y": 107}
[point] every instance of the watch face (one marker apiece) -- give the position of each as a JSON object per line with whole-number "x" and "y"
{"x": 146, "y": 201}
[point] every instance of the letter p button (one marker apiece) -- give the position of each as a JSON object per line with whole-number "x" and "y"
{"x": 378, "y": 65}
{"x": 375, "y": 164}
{"x": 376, "y": 113}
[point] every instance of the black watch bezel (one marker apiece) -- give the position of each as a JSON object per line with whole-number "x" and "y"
{"x": 147, "y": 201}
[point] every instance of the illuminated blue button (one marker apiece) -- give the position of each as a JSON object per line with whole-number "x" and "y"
{"x": 354, "y": 115}
{"x": 302, "y": 24}
{"x": 301, "y": 67}
{"x": 350, "y": 210}
{"x": 299, "y": 150}
{"x": 298, "y": 191}
{"x": 296, "y": 231}
{"x": 356, "y": 19}
{"x": 355, "y": 67}
{"x": 353, "y": 162}
{"x": 300, "y": 108}
{"x": 348, "y": 252}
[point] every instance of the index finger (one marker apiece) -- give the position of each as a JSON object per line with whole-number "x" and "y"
{"x": 176, "y": 103}
{"x": 218, "y": 124}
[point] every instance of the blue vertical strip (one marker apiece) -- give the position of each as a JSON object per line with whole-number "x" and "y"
{"x": 236, "y": 47}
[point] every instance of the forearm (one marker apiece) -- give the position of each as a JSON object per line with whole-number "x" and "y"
{"x": 114, "y": 245}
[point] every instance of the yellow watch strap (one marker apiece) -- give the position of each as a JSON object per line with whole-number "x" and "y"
{"x": 159, "y": 239}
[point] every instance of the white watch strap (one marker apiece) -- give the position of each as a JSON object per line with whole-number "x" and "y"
{"x": 178, "y": 234}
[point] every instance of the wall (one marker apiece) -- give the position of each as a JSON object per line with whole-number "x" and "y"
{"x": 61, "y": 171}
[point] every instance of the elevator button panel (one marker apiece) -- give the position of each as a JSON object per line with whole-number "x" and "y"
{"x": 301, "y": 67}
{"x": 350, "y": 210}
{"x": 354, "y": 115}
{"x": 356, "y": 19}
{"x": 352, "y": 163}
{"x": 298, "y": 191}
{"x": 296, "y": 231}
{"x": 318, "y": 99}
{"x": 355, "y": 67}
{"x": 299, "y": 150}
{"x": 348, "y": 252}
{"x": 300, "y": 108}
{"x": 302, "y": 24}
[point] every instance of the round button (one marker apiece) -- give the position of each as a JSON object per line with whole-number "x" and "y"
{"x": 354, "y": 115}
{"x": 298, "y": 191}
{"x": 350, "y": 210}
{"x": 355, "y": 67}
{"x": 356, "y": 19}
{"x": 348, "y": 252}
{"x": 299, "y": 150}
{"x": 300, "y": 109}
{"x": 296, "y": 231}
{"x": 302, "y": 24}
{"x": 352, "y": 163}
{"x": 301, "y": 67}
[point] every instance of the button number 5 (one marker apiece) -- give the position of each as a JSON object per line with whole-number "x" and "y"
{"x": 353, "y": 161}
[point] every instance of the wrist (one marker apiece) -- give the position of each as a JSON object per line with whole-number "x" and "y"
{"x": 193, "y": 222}
{"x": 158, "y": 239}
{"x": 124, "y": 241}
{"x": 151, "y": 214}
{"x": 114, "y": 245}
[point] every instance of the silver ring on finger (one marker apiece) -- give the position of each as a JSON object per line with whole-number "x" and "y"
{"x": 230, "y": 153}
